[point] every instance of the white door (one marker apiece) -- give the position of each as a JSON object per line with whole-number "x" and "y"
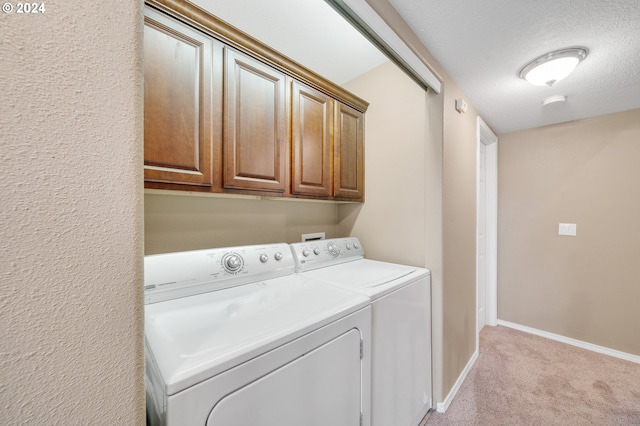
{"x": 487, "y": 226}
{"x": 482, "y": 237}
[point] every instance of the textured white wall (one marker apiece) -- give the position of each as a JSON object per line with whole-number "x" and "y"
{"x": 71, "y": 320}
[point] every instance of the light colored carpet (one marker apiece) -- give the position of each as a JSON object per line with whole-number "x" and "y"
{"x": 523, "y": 379}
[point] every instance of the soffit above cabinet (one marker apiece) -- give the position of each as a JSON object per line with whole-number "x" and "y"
{"x": 310, "y": 32}
{"x": 208, "y": 23}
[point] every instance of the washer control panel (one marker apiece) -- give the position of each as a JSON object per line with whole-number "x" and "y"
{"x": 320, "y": 253}
{"x": 173, "y": 275}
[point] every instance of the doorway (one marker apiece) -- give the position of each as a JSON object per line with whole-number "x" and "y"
{"x": 486, "y": 228}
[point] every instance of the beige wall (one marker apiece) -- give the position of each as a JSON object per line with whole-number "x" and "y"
{"x": 459, "y": 235}
{"x": 585, "y": 172}
{"x": 71, "y": 215}
{"x": 183, "y": 222}
{"x": 391, "y": 222}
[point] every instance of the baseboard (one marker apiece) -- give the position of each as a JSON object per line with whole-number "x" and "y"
{"x": 573, "y": 342}
{"x": 442, "y": 406}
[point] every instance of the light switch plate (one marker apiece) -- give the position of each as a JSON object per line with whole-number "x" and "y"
{"x": 567, "y": 229}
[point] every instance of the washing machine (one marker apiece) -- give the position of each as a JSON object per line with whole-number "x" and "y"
{"x": 400, "y": 298}
{"x": 234, "y": 337}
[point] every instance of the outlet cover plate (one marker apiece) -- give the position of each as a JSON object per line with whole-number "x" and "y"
{"x": 568, "y": 229}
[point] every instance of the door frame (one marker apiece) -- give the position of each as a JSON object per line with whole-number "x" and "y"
{"x": 489, "y": 139}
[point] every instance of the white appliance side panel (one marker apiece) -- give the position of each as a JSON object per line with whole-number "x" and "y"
{"x": 193, "y": 406}
{"x": 401, "y": 365}
{"x": 320, "y": 388}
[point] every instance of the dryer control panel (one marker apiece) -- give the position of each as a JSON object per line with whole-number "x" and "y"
{"x": 321, "y": 253}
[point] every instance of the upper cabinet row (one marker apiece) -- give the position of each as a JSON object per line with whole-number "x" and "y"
{"x": 217, "y": 119}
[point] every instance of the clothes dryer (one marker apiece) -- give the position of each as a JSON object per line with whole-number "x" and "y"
{"x": 400, "y": 298}
{"x": 234, "y": 337}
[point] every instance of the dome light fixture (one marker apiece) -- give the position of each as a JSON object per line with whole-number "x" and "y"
{"x": 552, "y": 67}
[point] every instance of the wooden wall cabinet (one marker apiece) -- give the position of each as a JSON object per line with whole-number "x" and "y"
{"x": 348, "y": 154}
{"x": 225, "y": 113}
{"x": 311, "y": 141}
{"x": 178, "y": 70}
{"x": 255, "y": 124}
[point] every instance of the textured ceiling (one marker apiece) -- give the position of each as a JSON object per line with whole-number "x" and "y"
{"x": 481, "y": 44}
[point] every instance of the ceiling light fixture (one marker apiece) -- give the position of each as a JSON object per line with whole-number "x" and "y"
{"x": 552, "y": 67}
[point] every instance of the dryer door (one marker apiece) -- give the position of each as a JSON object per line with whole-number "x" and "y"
{"x": 321, "y": 387}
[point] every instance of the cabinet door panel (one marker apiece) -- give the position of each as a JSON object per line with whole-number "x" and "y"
{"x": 312, "y": 121}
{"x": 348, "y": 154}
{"x": 255, "y": 131}
{"x": 177, "y": 102}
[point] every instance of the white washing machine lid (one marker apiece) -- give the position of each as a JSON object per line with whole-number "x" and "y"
{"x": 194, "y": 338}
{"x": 369, "y": 277}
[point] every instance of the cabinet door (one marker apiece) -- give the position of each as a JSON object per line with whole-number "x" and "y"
{"x": 312, "y": 124}
{"x": 177, "y": 102}
{"x": 255, "y": 125}
{"x": 348, "y": 154}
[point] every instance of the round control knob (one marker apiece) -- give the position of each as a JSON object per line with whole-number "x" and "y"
{"x": 356, "y": 245}
{"x": 305, "y": 253}
{"x": 333, "y": 249}
{"x": 232, "y": 263}
{"x": 264, "y": 258}
{"x": 277, "y": 256}
{"x": 348, "y": 246}
{"x": 316, "y": 251}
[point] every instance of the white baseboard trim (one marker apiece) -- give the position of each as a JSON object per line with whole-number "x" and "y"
{"x": 573, "y": 342}
{"x": 442, "y": 406}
